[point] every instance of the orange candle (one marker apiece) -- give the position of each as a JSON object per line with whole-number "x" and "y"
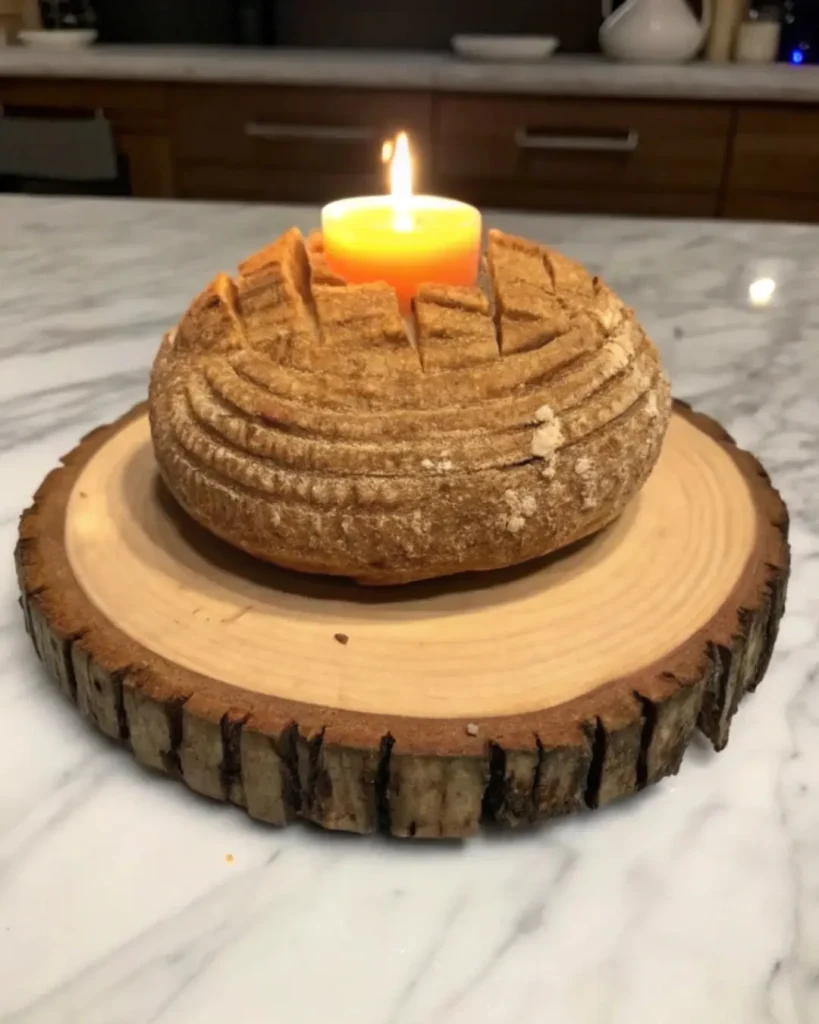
{"x": 403, "y": 239}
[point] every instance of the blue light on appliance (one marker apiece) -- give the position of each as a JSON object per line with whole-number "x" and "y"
{"x": 799, "y": 40}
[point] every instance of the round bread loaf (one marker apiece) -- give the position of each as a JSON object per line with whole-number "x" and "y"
{"x": 307, "y": 422}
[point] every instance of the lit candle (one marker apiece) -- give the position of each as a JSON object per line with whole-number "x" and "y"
{"x": 403, "y": 239}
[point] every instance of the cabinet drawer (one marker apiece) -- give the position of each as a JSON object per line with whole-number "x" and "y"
{"x": 776, "y": 149}
{"x": 609, "y": 144}
{"x": 313, "y": 130}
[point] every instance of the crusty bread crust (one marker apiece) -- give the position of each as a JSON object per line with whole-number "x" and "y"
{"x": 305, "y": 421}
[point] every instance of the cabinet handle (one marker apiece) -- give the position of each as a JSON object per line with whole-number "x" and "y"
{"x": 525, "y": 139}
{"x": 308, "y": 132}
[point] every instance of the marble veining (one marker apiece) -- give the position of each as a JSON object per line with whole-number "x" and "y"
{"x": 559, "y": 76}
{"x": 125, "y": 899}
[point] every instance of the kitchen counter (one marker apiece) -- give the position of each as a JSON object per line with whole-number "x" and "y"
{"x": 560, "y": 76}
{"x": 126, "y": 898}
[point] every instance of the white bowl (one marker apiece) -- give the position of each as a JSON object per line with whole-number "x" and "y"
{"x": 59, "y": 38}
{"x": 515, "y": 49}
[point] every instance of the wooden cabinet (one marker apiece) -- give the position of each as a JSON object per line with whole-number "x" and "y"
{"x": 310, "y": 144}
{"x": 138, "y": 114}
{"x": 635, "y": 157}
{"x": 776, "y": 150}
{"x": 774, "y": 165}
{"x": 290, "y": 144}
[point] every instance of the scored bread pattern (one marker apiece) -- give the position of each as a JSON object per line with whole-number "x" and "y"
{"x": 308, "y": 422}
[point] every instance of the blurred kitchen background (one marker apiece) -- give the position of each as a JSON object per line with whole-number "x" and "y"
{"x": 670, "y": 107}
{"x": 422, "y": 24}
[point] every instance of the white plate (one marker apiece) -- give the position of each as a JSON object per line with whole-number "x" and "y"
{"x": 517, "y": 49}
{"x": 59, "y": 39}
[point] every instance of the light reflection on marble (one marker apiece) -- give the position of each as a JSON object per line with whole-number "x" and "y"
{"x": 697, "y": 901}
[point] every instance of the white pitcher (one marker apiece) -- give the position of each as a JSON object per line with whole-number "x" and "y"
{"x": 654, "y": 31}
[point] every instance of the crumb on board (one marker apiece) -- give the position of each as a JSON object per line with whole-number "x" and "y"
{"x": 229, "y": 858}
{"x": 342, "y": 638}
{"x": 472, "y": 729}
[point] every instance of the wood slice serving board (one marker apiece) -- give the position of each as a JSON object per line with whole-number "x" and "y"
{"x": 425, "y": 709}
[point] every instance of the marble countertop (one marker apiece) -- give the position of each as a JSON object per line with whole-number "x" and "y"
{"x": 560, "y": 76}
{"x": 126, "y": 899}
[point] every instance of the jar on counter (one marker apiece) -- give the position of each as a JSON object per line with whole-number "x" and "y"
{"x": 758, "y": 36}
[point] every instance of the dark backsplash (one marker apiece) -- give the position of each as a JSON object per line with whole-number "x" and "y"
{"x": 431, "y": 23}
{"x": 398, "y": 24}
{"x": 167, "y": 21}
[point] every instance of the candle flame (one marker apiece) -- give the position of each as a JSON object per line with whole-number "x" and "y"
{"x": 399, "y": 157}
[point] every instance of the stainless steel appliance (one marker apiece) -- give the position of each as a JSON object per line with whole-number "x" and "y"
{"x": 59, "y": 153}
